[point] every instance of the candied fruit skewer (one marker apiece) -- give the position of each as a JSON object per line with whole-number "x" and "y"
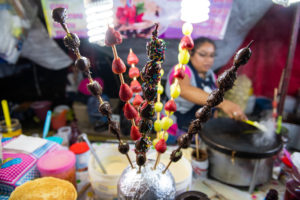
{"x": 157, "y": 124}
{"x": 185, "y": 45}
{"x": 226, "y": 81}
{"x": 112, "y": 38}
{"x": 134, "y": 73}
{"x": 150, "y": 74}
{"x": 72, "y": 42}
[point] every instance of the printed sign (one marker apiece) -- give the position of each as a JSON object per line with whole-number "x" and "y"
{"x": 136, "y": 18}
{"x": 76, "y": 17}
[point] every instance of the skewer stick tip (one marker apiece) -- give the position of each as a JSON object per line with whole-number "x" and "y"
{"x": 167, "y": 167}
{"x": 251, "y": 42}
{"x": 128, "y": 158}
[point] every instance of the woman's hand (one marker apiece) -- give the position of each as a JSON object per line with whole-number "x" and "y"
{"x": 232, "y": 110}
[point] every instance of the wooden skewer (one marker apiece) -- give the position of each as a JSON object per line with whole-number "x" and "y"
{"x": 114, "y": 49}
{"x": 133, "y": 122}
{"x": 121, "y": 78}
{"x": 90, "y": 79}
{"x": 65, "y": 28}
{"x": 100, "y": 100}
{"x": 158, "y": 97}
{"x": 167, "y": 167}
{"x": 129, "y": 160}
{"x": 197, "y": 146}
{"x": 77, "y": 53}
{"x": 157, "y": 160}
{"x": 85, "y": 187}
{"x": 158, "y": 115}
{"x": 275, "y": 94}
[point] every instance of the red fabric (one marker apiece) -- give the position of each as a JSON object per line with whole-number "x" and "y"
{"x": 271, "y": 37}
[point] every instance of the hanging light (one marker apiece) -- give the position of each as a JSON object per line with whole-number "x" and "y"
{"x": 99, "y": 15}
{"x": 285, "y": 3}
{"x": 195, "y": 11}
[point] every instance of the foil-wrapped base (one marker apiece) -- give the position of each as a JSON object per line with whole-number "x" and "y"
{"x": 149, "y": 184}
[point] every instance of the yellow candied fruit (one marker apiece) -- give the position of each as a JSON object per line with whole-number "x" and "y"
{"x": 160, "y": 89}
{"x": 163, "y": 135}
{"x": 157, "y": 125}
{"x": 187, "y": 28}
{"x": 166, "y": 123}
{"x": 155, "y": 141}
{"x": 183, "y": 57}
{"x": 162, "y": 73}
{"x": 175, "y": 91}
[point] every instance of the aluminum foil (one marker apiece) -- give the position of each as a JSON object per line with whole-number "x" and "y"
{"x": 149, "y": 184}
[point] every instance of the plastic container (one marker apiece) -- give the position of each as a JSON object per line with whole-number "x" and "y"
{"x": 105, "y": 185}
{"x": 60, "y": 108}
{"x": 59, "y": 164}
{"x": 15, "y": 129}
{"x": 65, "y": 133}
{"x": 292, "y": 191}
{"x": 82, "y": 152}
{"x": 181, "y": 171}
{"x": 200, "y": 166}
{"x": 56, "y": 139}
{"x": 59, "y": 120}
{"x": 40, "y": 108}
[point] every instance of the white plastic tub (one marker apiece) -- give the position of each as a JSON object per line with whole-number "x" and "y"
{"x": 105, "y": 185}
{"x": 181, "y": 171}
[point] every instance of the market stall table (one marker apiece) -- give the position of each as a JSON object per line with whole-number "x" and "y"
{"x": 214, "y": 189}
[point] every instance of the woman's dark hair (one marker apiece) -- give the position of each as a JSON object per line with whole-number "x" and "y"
{"x": 199, "y": 41}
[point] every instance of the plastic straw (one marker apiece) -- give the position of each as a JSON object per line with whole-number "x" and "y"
{"x": 47, "y": 124}
{"x": 6, "y": 114}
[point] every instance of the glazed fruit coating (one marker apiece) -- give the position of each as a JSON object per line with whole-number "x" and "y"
{"x": 175, "y": 155}
{"x": 95, "y": 88}
{"x": 125, "y": 92}
{"x": 71, "y": 41}
{"x": 105, "y": 108}
{"x": 59, "y": 15}
{"x": 112, "y": 37}
{"x": 83, "y": 64}
{"x": 123, "y": 148}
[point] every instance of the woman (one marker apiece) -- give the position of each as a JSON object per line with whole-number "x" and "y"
{"x": 198, "y": 82}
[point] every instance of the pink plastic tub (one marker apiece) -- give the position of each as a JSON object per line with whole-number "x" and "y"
{"x": 59, "y": 164}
